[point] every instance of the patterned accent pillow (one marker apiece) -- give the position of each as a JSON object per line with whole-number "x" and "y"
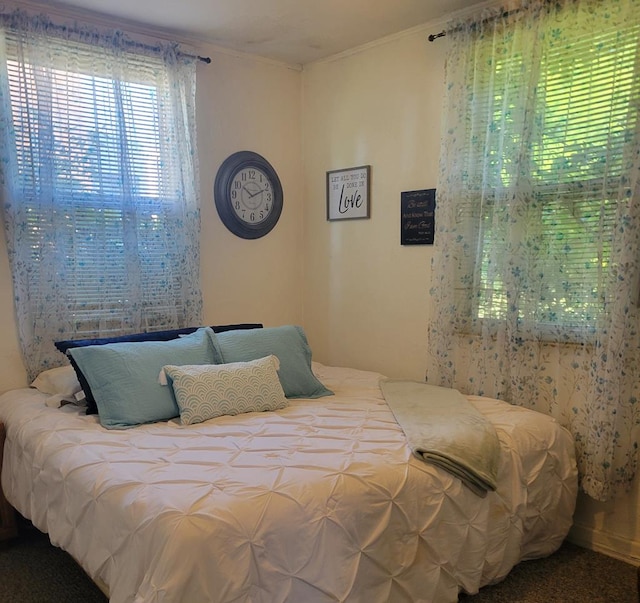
{"x": 208, "y": 391}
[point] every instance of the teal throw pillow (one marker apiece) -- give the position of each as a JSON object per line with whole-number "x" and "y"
{"x": 124, "y": 376}
{"x": 288, "y": 343}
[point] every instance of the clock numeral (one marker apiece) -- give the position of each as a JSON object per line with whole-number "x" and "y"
{"x": 261, "y": 215}
{"x": 237, "y": 205}
{"x": 236, "y": 184}
{"x": 252, "y": 216}
{"x": 252, "y": 174}
{"x": 234, "y": 194}
{"x": 268, "y": 196}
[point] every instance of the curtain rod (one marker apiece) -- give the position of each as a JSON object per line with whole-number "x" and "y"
{"x": 143, "y": 46}
{"x": 502, "y": 15}
{"x": 127, "y": 42}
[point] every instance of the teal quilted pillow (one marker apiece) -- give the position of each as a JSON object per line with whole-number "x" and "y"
{"x": 209, "y": 391}
{"x": 124, "y": 376}
{"x": 288, "y": 343}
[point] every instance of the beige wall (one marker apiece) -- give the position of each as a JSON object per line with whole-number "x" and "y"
{"x": 12, "y": 373}
{"x": 247, "y": 104}
{"x": 366, "y": 298}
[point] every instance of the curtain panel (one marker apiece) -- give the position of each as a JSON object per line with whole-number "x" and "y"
{"x": 99, "y": 184}
{"x": 536, "y": 260}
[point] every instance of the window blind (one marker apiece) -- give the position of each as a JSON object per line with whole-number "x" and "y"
{"x": 585, "y": 109}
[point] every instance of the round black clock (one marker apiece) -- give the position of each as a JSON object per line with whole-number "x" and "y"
{"x": 248, "y": 195}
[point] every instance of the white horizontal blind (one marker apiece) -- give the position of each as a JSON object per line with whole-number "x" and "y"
{"x": 568, "y": 159}
{"x": 99, "y": 182}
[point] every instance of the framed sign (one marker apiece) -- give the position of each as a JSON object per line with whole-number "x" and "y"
{"x": 417, "y": 219}
{"x": 348, "y": 193}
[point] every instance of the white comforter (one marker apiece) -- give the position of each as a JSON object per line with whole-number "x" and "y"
{"x": 321, "y": 501}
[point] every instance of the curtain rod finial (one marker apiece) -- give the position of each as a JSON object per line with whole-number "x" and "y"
{"x": 433, "y": 37}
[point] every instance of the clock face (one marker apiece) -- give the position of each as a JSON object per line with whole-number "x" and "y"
{"x": 251, "y": 195}
{"x": 248, "y": 195}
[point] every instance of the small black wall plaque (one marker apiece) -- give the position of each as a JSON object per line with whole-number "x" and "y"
{"x": 417, "y": 221}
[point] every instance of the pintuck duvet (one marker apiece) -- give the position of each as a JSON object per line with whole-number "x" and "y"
{"x": 320, "y": 501}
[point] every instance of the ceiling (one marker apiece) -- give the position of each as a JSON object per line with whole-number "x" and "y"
{"x": 290, "y": 31}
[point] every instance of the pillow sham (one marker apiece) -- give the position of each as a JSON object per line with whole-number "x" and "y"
{"x": 61, "y": 385}
{"x": 167, "y": 335}
{"x": 61, "y": 380}
{"x": 124, "y": 376}
{"x": 288, "y": 343}
{"x": 208, "y": 391}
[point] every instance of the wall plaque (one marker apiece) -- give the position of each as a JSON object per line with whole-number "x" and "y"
{"x": 417, "y": 220}
{"x": 348, "y": 193}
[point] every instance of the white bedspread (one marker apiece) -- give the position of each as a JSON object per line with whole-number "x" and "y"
{"x": 321, "y": 501}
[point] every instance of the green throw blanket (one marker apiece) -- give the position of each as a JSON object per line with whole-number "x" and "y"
{"x": 445, "y": 429}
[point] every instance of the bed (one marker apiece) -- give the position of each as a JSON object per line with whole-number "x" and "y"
{"x": 321, "y": 500}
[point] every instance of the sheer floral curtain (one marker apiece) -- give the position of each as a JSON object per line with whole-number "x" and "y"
{"x": 99, "y": 184}
{"x": 536, "y": 261}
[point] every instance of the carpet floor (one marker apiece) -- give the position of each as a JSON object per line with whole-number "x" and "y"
{"x": 33, "y": 571}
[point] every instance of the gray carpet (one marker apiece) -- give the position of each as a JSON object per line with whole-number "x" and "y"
{"x": 571, "y": 575}
{"x": 33, "y": 571}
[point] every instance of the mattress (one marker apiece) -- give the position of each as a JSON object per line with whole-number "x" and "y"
{"x": 320, "y": 501}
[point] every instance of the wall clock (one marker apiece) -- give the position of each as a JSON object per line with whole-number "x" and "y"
{"x": 248, "y": 195}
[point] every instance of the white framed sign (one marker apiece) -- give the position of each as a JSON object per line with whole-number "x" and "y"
{"x": 348, "y": 193}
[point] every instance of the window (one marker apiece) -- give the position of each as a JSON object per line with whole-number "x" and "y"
{"x": 565, "y": 153}
{"x": 98, "y": 177}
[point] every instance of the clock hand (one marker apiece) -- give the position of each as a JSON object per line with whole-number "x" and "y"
{"x": 251, "y": 195}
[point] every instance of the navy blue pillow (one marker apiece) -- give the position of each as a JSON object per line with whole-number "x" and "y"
{"x": 63, "y": 346}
